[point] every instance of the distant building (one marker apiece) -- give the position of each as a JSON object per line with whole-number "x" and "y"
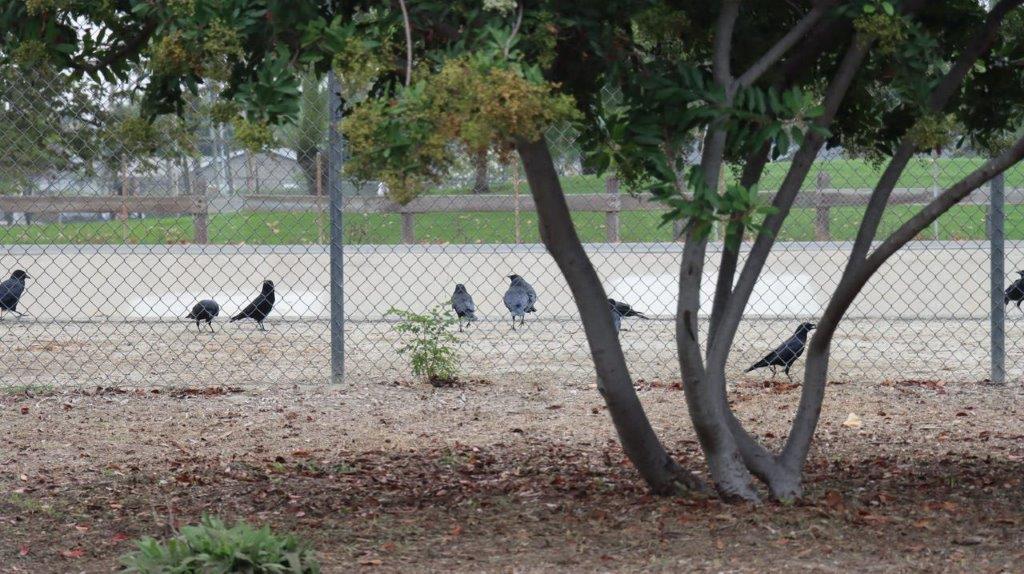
{"x": 270, "y": 172}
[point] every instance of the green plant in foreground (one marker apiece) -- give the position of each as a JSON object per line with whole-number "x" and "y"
{"x": 213, "y": 548}
{"x": 430, "y": 348}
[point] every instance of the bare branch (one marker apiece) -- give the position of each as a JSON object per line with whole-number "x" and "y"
{"x": 408, "y": 42}
{"x": 801, "y": 164}
{"x": 812, "y": 394}
{"x": 937, "y": 100}
{"x": 752, "y": 170}
{"x": 930, "y": 212}
{"x": 723, "y": 42}
{"x": 776, "y": 52}
{"x": 515, "y": 30}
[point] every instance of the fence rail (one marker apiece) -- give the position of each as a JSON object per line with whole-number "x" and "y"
{"x": 611, "y": 203}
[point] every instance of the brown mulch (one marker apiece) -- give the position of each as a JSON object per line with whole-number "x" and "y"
{"x": 77, "y": 488}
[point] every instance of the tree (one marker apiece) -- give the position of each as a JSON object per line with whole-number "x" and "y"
{"x": 308, "y": 135}
{"x": 886, "y": 78}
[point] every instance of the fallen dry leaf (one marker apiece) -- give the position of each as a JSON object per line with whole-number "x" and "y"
{"x": 833, "y": 499}
{"x": 73, "y": 553}
{"x": 853, "y": 421}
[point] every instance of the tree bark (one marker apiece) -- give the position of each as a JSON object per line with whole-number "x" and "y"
{"x": 705, "y": 388}
{"x": 480, "y": 175}
{"x": 306, "y": 158}
{"x": 725, "y": 332}
{"x": 639, "y": 441}
{"x": 816, "y": 370}
{"x": 858, "y": 270}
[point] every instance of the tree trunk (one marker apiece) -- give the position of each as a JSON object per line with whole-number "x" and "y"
{"x": 306, "y": 158}
{"x": 639, "y": 441}
{"x": 705, "y": 390}
{"x": 480, "y": 179}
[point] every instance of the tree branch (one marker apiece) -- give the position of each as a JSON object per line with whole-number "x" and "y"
{"x": 723, "y": 42}
{"x": 408, "y": 42}
{"x": 978, "y": 45}
{"x": 930, "y": 212}
{"x": 812, "y": 394}
{"x": 515, "y": 30}
{"x": 801, "y": 164}
{"x": 776, "y": 52}
{"x": 752, "y": 170}
{"x": 115, "y": 55}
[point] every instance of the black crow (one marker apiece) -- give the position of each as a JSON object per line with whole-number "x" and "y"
{"x": 616, "y": 315}
{"x": 787, "y": 353}
{"x": 260, "y": 307}
{"x": 204, "y": 310}
{"x": 625, "y": 309}
{"x": 462, "y": 303}
{"x": 520, "y": 299}
{"x": 10, "y": 292}
{"x": 1015, "y": 292}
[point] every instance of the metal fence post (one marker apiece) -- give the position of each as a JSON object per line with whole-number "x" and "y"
{"x": 997, "y": 216}
{"x": 335, "y": 157}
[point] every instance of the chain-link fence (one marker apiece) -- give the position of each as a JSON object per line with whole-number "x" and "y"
{"x": 122, "y": 226}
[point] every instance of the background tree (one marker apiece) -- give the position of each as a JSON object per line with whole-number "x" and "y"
{"x": 885, "y": 77}
{"x": 307, "y": 136}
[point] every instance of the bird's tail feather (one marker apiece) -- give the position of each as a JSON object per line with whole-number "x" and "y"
{"x": 237, "y": 317}
{"x": 757, "y": 365}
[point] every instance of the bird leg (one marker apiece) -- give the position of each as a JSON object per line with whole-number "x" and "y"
{"x": 788, "y": 375}
{"x": 774, "y": 371}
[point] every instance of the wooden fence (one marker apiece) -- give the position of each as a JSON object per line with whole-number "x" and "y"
{"x": 611, "y": 203}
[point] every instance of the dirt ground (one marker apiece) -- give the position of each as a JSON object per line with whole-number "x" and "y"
{"x": 83, "y": 355}
{"x": 517, "y": 473}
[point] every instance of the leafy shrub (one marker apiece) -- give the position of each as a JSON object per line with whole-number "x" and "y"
{"x": 213, "y": 548}
{"x": 430, "y": 347}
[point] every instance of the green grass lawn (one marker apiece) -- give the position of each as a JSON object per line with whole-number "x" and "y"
{"x": 285, "y": 228}
{"x": 849, "y": 173}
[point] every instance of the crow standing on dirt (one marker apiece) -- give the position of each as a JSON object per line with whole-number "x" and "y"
{"x": 1015, "y": 292}
{"x": 519, "y": 299}
{"x": 260, "y": 307}
{"x": 204, "y": 310}
{"x": 10, "y": 293}
{"x": 787, "y": 353}
{"x": 462, "y": 303}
